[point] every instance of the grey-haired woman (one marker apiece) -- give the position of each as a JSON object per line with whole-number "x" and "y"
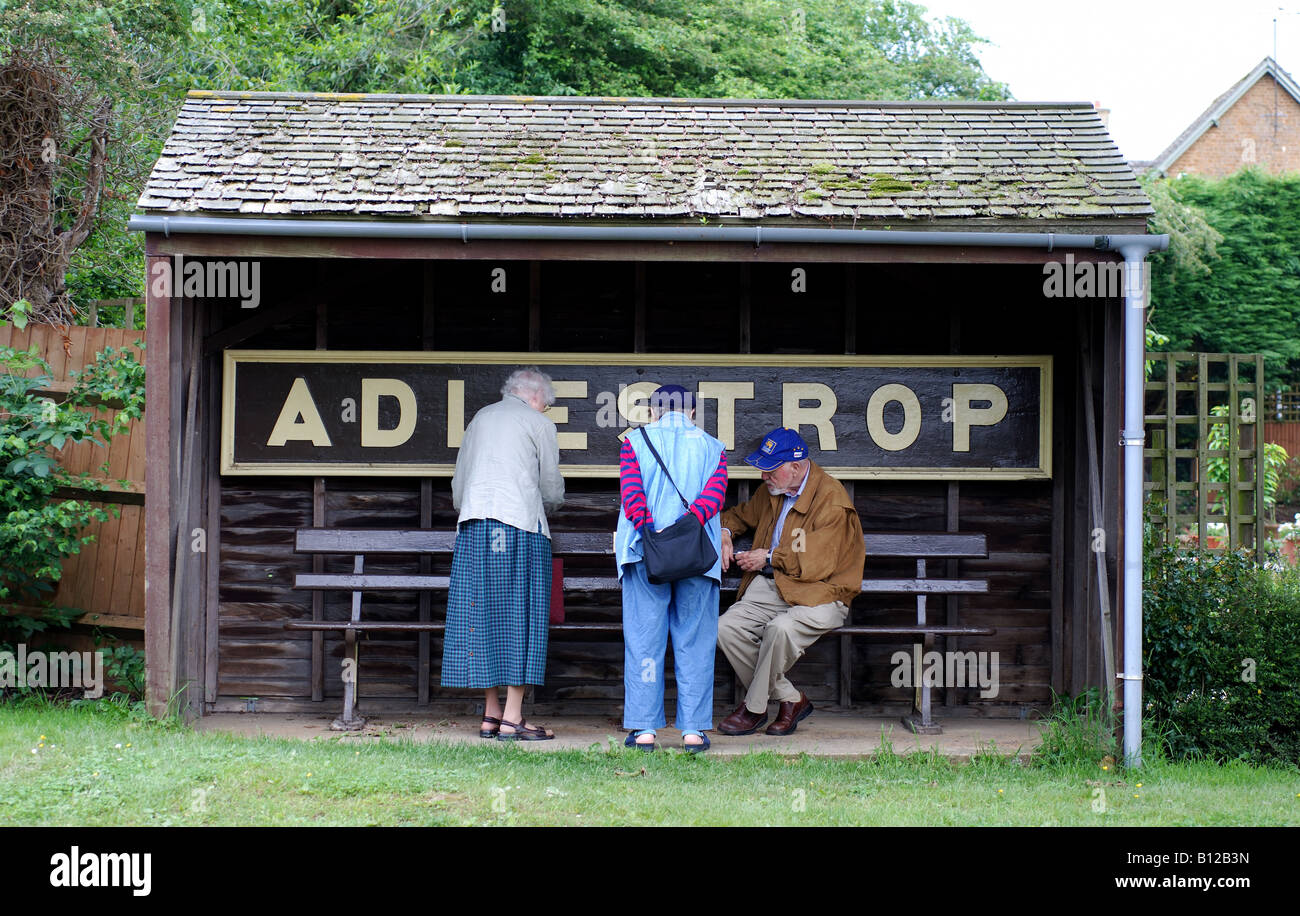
{"x": 498, "y": 605}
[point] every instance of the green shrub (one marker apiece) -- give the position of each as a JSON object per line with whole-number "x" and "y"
{"x": 1222, "y": 656}
{"x": 38, "y": 528}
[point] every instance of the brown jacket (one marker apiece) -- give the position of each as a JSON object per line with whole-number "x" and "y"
{"x": 829, "y": 566}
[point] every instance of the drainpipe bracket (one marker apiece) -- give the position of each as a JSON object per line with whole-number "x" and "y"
{"x": 1128, "y": 677}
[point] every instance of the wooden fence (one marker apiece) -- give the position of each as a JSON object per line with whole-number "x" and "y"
{"x": 1286, "y": 435}
{"x": 107, "y": 578}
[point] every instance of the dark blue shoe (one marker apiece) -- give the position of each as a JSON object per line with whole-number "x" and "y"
{"x": 696, "y": 748}
{"x": 630, "y": 741}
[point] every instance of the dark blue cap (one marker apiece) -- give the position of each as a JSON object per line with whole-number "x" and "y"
{"x": 779, "y": 446}
{"x": 672, "y": 397}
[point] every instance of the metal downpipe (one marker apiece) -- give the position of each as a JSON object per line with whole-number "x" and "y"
{"x": 1133, "y": 438}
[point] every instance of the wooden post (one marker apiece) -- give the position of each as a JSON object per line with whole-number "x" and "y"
{"x": 952, "y": 506}
{"x": 638, "y": 307}
{"x": 160, "y": 366}
{"x": 422, "y": 663}
{"x": 318, "y": 520}
{"x": 212, "y": 518}
{"x": 534, "y": 306}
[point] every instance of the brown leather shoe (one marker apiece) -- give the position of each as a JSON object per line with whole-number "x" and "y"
{"x": 742, "y": 722}
{"x": 790, "y": 715}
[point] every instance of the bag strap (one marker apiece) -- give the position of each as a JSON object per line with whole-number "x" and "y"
{"x": 653, "y": 451}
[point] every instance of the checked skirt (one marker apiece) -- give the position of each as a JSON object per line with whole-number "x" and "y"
{"x": 498, "y": 606}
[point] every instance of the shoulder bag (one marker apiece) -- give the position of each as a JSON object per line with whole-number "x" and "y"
{"x": 681, "y": 550}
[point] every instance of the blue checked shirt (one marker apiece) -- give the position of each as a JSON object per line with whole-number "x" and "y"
{"x": 786, "y": 506}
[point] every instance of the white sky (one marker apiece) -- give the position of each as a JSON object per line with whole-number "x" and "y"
{"x": 1156, "y": 64}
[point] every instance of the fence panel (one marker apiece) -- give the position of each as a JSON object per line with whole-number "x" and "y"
{"x": 107, "y": 578}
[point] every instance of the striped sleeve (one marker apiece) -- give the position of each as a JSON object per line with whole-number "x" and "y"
{"x": 709, "y": 502}
{"x": 631, "y": 490}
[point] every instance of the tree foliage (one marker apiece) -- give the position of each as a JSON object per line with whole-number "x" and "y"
{"x": 832, "y": 49}
{"x": 1245, "y": 299}
{"x": 81, "y": 120}
{"x": 128, "y": 63}
{"x": 415, "y": 46}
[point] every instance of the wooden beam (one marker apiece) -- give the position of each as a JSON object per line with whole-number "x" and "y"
{"x": 265, "y": 318}
{"x": 850, "y": 309}
{"x": 251, "y": 246}
{"x": 1102, "y": 582}
{"x": 212, "y": 521}
{"x": 952, "y": 501}
{"x": 1112, "y": 484}
{"x": 534, "y": 305}
{"x": 1061, "y": 461}
{"x": 746, "y": 310}
{"x": 92, "y": 619}
{"x": 639, "y": 307}
{"x": 187, "y": 593}
{"x": 319, "y": 520}
{"x": 422, "y": 665}
{"x": 158, "y": 526}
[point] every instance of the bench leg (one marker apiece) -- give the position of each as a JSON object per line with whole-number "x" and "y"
{"x": 919, "y": 721}
{"x": 349, "y": 721}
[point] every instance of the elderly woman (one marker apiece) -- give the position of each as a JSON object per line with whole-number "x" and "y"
{"x": 687, "y": 609}
{"x": 498, "y": 606}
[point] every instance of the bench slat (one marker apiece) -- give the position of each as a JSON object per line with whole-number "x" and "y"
{"x": 369, "y": 582}
{"x": 903, "y": 544}
{"x": 925, "y": 586}
{"x": 920, "y": 544}
{"x": 372, "y": 582}
{"x": 429, "y": 540}
{"x": 352, "y": 540}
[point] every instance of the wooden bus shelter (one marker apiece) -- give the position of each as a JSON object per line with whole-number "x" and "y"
{"x": 879, "y": 274}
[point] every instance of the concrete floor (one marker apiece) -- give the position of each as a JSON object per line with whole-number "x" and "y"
{"x": 823, "y": 734}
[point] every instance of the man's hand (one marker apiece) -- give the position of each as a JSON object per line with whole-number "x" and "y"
{"x": 727, "y": 549}
{"x": 751, "y": 560}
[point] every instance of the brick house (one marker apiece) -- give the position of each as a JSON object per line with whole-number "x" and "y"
{"x": 1256, "y": 122}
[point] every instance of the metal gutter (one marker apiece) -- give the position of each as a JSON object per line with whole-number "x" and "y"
{"x": 469, "y": 232}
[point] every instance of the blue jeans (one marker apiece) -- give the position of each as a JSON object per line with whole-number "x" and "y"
{"x": 688, "y": 609}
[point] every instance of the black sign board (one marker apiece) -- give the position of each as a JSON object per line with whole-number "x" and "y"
{"x": 323, "y": 412}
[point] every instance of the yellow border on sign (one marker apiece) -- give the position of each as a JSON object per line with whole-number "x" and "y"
{"x": 714, "y": 360}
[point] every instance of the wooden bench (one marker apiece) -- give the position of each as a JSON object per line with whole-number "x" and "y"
{"x": 360, "y": 543}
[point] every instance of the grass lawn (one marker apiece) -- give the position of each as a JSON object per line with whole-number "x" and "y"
{"x": 102, "y": 764}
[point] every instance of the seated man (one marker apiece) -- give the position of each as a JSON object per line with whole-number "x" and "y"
{"x": 800, "y": 577}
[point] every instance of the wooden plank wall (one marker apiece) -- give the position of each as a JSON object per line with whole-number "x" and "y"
{"x": 1039, "y": 611}
{"x": 1286, "y": 434}
{"x": 107, "y": 578}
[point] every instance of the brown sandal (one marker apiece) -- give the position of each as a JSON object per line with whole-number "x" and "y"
{"x": 490, "y": 732}
{"x": 523, "y": 732}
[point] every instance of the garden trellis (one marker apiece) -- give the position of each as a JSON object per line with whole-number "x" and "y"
{"x": 1183, "y": 471}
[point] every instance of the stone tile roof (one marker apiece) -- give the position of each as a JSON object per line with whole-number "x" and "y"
{"x": 520, "y": 159}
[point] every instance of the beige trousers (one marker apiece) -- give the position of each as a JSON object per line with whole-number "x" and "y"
{"x": 763, "y": 637}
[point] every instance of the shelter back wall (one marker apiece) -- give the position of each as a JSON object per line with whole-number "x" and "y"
{"x": 664, "y": 307}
